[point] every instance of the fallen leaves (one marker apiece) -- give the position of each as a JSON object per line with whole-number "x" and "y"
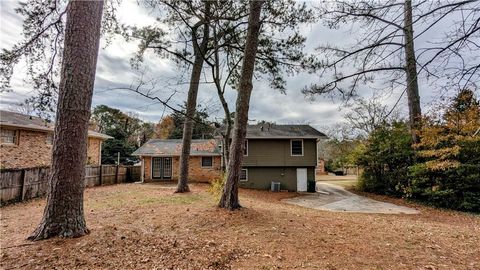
{"x": 167, "y": 233}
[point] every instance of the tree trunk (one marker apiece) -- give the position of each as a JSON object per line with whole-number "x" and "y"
{"x": 221, "y": 95}
{"x": 414, "y": 108}
{"x": 192, "y": 102}
{"x": 228, "y": 130}
{"x": 63, "y": 215}
{"x": 229, "y": 199}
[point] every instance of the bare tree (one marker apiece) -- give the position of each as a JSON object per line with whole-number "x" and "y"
{"x": 229, "y": 199}
{"x": 280, "y": 48}
{"x": 386, "y": 46}
{"x": 368, "y": 114}
{"x": 63, "y": 215}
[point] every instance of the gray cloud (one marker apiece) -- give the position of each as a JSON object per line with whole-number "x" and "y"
{"x": 113, "y": 71}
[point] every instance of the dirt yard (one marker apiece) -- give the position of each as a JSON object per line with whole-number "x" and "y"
{"x": 137, "y": 226}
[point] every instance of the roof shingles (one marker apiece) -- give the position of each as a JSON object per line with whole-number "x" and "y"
{"x": 23, "y": 121}
{"x": 174, "y": 148}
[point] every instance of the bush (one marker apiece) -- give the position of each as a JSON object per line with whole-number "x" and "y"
{"x": 216, "y": 186}
{"x": 385, "y": 160}
{"x": 444, "y": 169}
{"x": 454, "y": 187}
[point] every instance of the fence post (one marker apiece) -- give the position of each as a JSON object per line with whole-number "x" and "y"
{"x": 22, "y": 195}
{"x": 116, "y": 174}
{"x": 101, "y": 175}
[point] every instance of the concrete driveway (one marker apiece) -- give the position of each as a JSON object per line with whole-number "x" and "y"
{"x": 331, "y": 197}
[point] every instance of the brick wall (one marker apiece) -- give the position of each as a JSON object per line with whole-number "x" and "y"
{"x": 94, "y": 154}
{"x": 31, "y": 150}
{"x": 320, "y": 170}
{"x": 196, "y": 172}
{"x": 199, "y": 174}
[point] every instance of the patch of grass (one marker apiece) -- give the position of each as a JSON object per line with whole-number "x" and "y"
{"x": 348, "y": 184}
{"x": 138, "y": 199}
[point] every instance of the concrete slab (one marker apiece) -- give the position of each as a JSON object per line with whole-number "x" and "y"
{"x": 331, "y": 197}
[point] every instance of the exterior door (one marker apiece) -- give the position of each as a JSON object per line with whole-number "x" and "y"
{"x": 302, "y": 179}
{"x": 162, "y": 168}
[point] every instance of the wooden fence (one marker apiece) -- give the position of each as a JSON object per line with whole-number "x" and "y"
{"x": 24, "y": 184}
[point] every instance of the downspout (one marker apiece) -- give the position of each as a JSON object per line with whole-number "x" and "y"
{"x": 142, "y": 170}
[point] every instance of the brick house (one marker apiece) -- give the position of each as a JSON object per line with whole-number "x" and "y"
{"x": 26, "y": 141}
{"x": 160, "y": 160}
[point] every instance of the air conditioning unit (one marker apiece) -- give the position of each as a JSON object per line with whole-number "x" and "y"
{"x": 275, "y": 187}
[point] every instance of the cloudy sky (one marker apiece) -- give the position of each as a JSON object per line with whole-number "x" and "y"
{"x": 114, "y": 70}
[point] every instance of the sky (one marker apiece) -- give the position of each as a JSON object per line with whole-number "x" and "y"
{"x": 114, "y": 70}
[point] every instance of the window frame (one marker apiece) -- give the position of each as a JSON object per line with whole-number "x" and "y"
{"x": 291, "y": 148}
{"x": 246, "y": 175}
{"x": 201, "y": 162}
{"x": 15, "y": 136}
{"x": 245, "y": 150}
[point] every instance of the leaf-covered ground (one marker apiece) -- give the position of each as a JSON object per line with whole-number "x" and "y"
{"x": 146, "y": 226}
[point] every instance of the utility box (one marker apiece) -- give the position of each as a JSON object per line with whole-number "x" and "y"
{"x": 275, "y": 186}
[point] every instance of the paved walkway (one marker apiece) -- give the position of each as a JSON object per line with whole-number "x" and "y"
{"x": 330, "y": 197}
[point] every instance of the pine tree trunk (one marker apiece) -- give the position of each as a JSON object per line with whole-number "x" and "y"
{"x": 229, "y": 199}
{"x": 192, "y": 102}
{"x": 413, "y": 96}
{"x": 63, "y": 215}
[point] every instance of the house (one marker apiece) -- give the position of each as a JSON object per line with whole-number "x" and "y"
{"x": 160, "y": 160}
{"x": 279, "y": 153}
{"x": 26, "y": 141}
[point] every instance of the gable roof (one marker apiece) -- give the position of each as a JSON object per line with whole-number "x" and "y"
{"x": 274, "y": 131}
{"x": 24, "y": 121}
{"x": 173, "y": 147}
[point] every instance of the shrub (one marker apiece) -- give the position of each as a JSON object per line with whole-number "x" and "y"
{"x": 448, "y": 170}
{"x": 216, "y": 186}
{"x": 385, "y": 159}
{"x": 444, "y": 169}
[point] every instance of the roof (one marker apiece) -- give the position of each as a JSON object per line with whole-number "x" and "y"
{"x": 274, "y": 131}
{"x": 173, "y": 147}
{"x": 24, "y": 121}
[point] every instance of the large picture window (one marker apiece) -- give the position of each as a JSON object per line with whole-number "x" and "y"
{"x": 207, "y": 162}
{"x": 296, "y": 147}
{"x": 8, "y": 136}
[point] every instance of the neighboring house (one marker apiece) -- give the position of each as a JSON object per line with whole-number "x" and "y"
{"x": 279, "y": 153}
{"x": 160, "y": 160}
{"x": 26, "y": 141}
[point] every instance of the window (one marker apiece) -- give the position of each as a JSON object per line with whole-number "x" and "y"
{"x": 207, "y": 161}
{"x": 245, "y": 148}
{"x": 8, "y": 136}
{"x": 49, "y": 139}
{"x": 296, "y": 147}
{"x": 244, "y": 175}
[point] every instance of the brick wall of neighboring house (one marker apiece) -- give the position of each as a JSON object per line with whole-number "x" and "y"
{"x": 196, "y": 172}
{"x": 32, "y": 150}
{"x": 94, "y": 154}
{"x": 320, "y": 170}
